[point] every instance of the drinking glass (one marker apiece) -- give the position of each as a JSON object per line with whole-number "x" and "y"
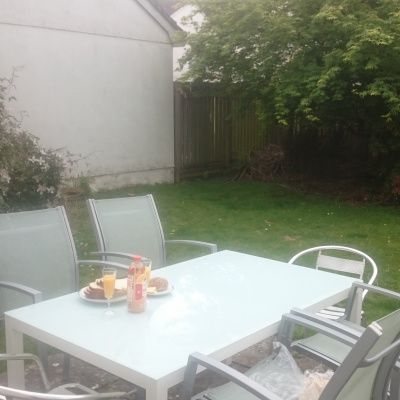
{"x": 109, "y": 277}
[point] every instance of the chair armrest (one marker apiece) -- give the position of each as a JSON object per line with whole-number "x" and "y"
{"x": 334, "y": 330}
{"x": 34, "y": 294}
{"x": 24, "y": 394}
{"x": 211, "y": 246}
{"x": 370, "y": 288}
{"x": 225, "y": 371}
{"x": 54, "y": 394}
{"x": 28, "y": 356}
{"x": 115, "y": 254}
{"x": 102, "y": 263}
{"x": 349, "y": 329}
{"x": 128, "y": 256}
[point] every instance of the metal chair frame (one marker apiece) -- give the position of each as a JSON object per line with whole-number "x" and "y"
{"x": 64, "y": 392}
{"x": 131, "y": 225}
{"x": 365, "y": 372}
{"x": 341, "y": 265}
{"x": 22, "y": 274}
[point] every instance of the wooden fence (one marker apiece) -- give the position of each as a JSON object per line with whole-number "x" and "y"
{"x": 212, "y": 132}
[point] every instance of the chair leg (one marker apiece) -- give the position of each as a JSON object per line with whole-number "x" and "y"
{"x": 395, "y": 383}
{"x": 189, "y": 379}
{"x": 140, "y": 393}
{"x": 66, "y": 367}
{"x": 44, "y": 358}
{"x": 43, "y": 355}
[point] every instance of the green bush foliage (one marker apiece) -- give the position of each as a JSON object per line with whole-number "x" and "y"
{"x": 325, "y": 69}
{"x": 30, "y": 175}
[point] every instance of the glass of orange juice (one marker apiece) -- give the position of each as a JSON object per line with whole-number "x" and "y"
{"x": 109, "y": 277}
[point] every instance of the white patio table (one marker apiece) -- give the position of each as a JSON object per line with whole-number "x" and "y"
{"x": 221, "y": 304}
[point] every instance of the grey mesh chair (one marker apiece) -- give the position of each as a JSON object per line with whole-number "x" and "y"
{"x": 68, "y": 391}
{"x": 332, "y": 350}
{"x": 38, "y": 260}
{"x": 337, "y": 259}
{"x": 131, "y": 225}
{"x": 364, "y": 373}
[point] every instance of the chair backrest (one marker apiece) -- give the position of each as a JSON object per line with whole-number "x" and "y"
{"x": 129, "y": 225}
{"x": 352, "y": 267}
{"x": 365, "y": 372}
{"x": 337, "y": 261}
{"x": 37, "y": 250}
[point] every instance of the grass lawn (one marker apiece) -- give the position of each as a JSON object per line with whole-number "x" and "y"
{"x": 262, "y": 219}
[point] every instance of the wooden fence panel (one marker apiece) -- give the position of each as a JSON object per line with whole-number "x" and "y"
{"x": 247, "y": 131}
{"x": 210, "y": 134}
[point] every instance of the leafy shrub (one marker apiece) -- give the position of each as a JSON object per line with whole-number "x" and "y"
{"x": 393, "y": 186}
{"x": 30, "y": 175}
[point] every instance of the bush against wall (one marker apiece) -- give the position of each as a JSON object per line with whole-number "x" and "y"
{"x": 30, "y": 175}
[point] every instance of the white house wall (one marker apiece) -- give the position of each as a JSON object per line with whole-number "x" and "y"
{"x": 96, "y": 80}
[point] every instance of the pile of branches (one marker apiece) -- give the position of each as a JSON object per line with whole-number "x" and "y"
{"x": 263, "y": 164}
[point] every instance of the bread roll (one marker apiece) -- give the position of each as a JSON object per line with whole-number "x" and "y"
{"x": 161, "y": 284}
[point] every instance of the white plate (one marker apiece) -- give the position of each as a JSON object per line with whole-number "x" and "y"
{"x": 113, "y": 300}
{"x": 169, "y": 290}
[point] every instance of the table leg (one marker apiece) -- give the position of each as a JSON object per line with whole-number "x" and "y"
{"x": 157, "y": 393}
{"x": 14, "y": 345}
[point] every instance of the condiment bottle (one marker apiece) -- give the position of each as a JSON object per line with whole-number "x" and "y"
{"x": 137, "y": 286}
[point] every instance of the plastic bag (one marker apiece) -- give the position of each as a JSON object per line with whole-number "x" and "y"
{"x": 283, "y": 377}
{"x": 314, "y": 384}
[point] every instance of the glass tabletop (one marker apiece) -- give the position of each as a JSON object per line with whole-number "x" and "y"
{"x": 221, "y": 303}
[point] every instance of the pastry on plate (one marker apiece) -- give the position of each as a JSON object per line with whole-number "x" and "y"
{"x": 95, "y": 289}
{"x": 157, "y": 285}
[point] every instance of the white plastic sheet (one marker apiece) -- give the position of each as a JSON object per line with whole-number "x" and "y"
{"x": 283, "y": 377}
